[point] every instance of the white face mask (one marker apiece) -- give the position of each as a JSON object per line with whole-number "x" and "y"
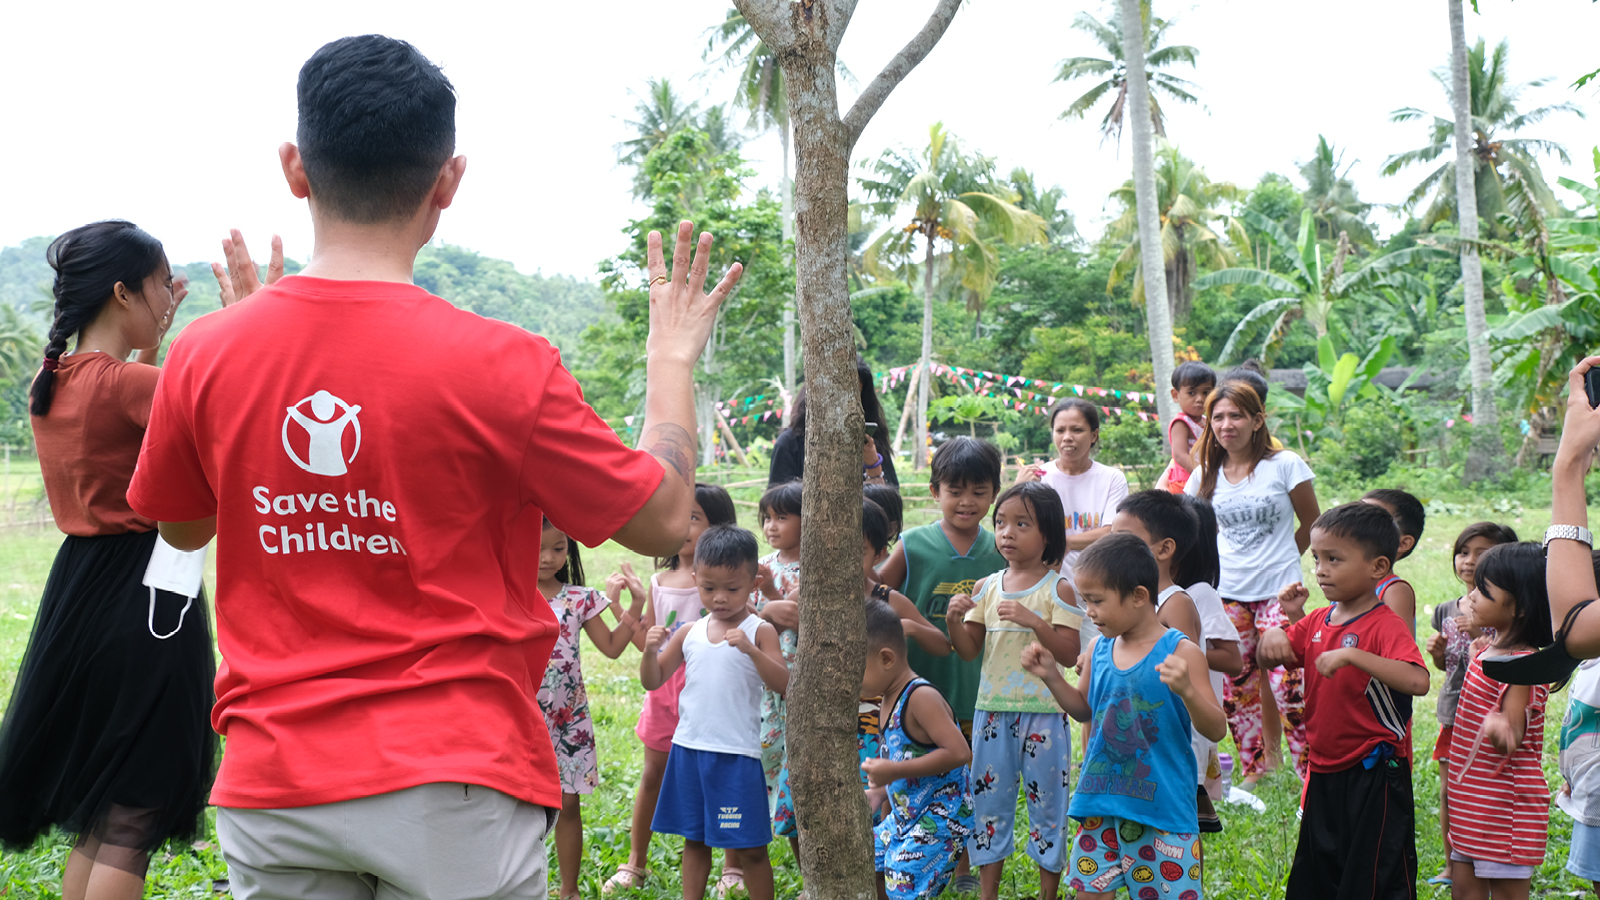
{"x": 176, "y": 572}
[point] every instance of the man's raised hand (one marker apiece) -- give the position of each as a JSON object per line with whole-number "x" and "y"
{"x": 238, "y": 279}
{"x": 681, "y": 312}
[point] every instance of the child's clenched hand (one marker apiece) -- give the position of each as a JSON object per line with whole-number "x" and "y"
{"x": 1016, "y": 613}
{"x": 879, "y": 772}
{"x": 1294, "y": 597}
{"x": 960, "y": 605}
{"x": 1174, "y": 672}
{"x": 739, "y": 641}
{"x": 1038, "y": 661}
{"x": 654, "y": 638}
{"x": 1332, "y": 661}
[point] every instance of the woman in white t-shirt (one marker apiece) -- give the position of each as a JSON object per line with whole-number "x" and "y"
{"x": 1259, "y": 494}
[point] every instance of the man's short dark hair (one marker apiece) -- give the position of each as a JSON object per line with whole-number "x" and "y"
{"x": 1368, "y": 525}
{"x": 727, "y": 547}
{"x": 1164, "y": 515}
{"x": 377, "y": 121}
{"x": 883, "y": 626}
{"x": 966, "y": 462}
{"x": 1409, "y": 513}
{"x": 1121, "y": 562}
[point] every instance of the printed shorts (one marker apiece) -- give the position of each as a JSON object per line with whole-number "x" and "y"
{"x": 915, "y": 868}
{"x": 1112, "y": 852}
{"x": 1035, "y": 750}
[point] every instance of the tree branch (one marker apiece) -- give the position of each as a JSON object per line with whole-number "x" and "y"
{"x": 914, "y": 52}
{"x": 770, "y": 21}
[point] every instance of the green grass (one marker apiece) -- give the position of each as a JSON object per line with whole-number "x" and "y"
{"x": 1249, "y": 860}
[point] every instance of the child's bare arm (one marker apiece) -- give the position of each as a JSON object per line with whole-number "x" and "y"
{"x": 1061, "y": 639}
{"x": 1180, "y": 447}
{"x": 892, "y": 571}
{"x": 1179, "y": 612}
{"x": 966, "y": 638}
{"x": 1405, "y": 677}
{"x": 1435, "y": 648}
{"x": 917, "y": 626}
{"x": 1224, "y": 657}
{"x": 925, "y": 712}
{"x": 1403, "y": 600}
{"x": 1184, "y": 673}
{"x": 764, "y": 653}
{"x": 658, "y": 662}
{"x": 1275, "y": 650}
{"x": 1073, "y": 699}
{"x": 612, "y": 641}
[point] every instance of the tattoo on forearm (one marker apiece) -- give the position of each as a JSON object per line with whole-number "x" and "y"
{"x": 674, "y": 447}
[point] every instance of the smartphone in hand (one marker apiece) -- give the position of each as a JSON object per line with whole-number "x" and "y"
{"x": 1591, "y": 386}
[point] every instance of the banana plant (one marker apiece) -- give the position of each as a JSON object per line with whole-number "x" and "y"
{"x": 1310, "y": 291}
{"x": 1332, "y": 380}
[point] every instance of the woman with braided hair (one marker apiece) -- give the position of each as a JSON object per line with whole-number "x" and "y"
{"x": 107, "y": 734}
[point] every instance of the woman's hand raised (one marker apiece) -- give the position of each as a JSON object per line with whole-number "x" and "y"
{"x": 238, "y": 279}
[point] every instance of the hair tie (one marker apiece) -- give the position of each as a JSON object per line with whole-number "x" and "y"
{"x": 51, "y": 364}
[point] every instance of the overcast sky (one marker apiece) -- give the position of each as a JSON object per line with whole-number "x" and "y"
{"x": 170, "y": 114}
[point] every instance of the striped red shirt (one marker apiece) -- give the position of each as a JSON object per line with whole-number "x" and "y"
{"x": 1499, "y": 806}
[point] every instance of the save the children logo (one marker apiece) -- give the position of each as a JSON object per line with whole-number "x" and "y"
{"x": 321, "y": 433}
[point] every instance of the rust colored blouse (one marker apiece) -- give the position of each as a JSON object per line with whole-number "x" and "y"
{"x": 89, "y": 442}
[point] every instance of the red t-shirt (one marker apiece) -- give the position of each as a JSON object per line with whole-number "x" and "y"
{"x": 89, "y": 442}
{"x": 1352, "y": 712}
{"x": 366, "y": 448}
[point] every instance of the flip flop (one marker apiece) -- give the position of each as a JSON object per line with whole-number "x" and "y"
{"x": 627, "y": 878}
{"x": 965, "y": 884}
{"x": 1440, "y": 879}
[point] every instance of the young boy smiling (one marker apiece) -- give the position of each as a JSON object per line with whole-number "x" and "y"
{"x": 714, "y": 769}
{"x": 1357, "y": 835}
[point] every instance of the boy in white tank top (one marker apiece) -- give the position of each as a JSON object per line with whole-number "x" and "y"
{"x": 714, "y": 793}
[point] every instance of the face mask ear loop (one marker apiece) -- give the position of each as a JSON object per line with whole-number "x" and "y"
{"x": 150, "y": 621}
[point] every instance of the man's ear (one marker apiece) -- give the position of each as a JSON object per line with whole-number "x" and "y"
{"x": 449, "y": 181}
{"x": 294, "y": 170}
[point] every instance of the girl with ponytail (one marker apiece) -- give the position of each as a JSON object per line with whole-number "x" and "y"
{"x": 107, "y": 734}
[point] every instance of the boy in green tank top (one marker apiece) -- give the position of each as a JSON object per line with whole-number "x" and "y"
{"x": 933, "y": 563}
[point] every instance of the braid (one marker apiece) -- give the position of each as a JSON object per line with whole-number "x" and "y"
{"x": 89, "y": 262}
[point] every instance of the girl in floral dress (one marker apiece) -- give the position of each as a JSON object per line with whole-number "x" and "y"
{"x": 562, "y": 698}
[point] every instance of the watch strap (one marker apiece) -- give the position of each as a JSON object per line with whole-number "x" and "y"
{"x": 1568, "y": 533}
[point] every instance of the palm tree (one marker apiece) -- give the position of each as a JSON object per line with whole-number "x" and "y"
{"x": 1497, "y": 156}
{"x": 19, "y": 346}
{"x": 1189, "y": 202}
{"x": 1310, "y": 290}
{"x": 1113, "y": 71}
{"x": 1049, "y": 204}
{"x": 661, "y": 113}
{"x": 1331, "y": 197}
{"x": 951, "y": 198}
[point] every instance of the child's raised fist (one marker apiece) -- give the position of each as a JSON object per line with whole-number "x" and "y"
{"x": 1294, "y": 596}
{"x": 655, "y": 637}
{"x": 739, "y": 641}
{"x": 960, "y": 605}
{"x": 879, "y": 772}
{"x": 1174, "y": 672}
{"x": 1038, "y": 661}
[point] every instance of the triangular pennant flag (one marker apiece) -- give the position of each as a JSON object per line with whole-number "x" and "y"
{"x": 628, "y": 421}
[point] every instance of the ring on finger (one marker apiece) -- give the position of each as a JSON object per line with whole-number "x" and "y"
{"x": 659, "y": 279}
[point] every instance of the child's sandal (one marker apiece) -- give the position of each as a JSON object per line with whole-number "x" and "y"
{"x": 627, "y": 878}
{"x": 732, "y": 880}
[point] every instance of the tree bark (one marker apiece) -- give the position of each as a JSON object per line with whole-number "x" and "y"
{"x": 1154, "y": 270}
{"x": 824, "y": 773}
{"x": 919, "y": 454}
{"x": 788, "y": 308}
{"x": 910, "y": 405}
{"x": 1485, "y": 450}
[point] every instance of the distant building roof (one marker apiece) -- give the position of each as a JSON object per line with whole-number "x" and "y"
{"x": 1294, "y": 380}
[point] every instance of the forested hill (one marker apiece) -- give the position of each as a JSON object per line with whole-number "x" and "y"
{"x": 558, "y": 307}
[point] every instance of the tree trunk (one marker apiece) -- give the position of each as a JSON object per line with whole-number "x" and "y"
{"x": 830, "y": 809}
{"x": 1485, "y": 451}
{"x": 1137, "y": 115}
{"x": 824, "y": 772}
{"x": 919, "y": 454}
{"x": 906, "y": 410}
{"x": 787, "y": 189}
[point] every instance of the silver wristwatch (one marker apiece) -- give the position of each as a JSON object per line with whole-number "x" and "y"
{"x": 1568, "y": 533}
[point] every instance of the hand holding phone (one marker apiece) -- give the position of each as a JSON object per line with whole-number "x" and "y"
{"x": 1591, "y": 386}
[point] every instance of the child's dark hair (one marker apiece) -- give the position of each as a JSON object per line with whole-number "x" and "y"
{"x": 727, "y": 547}
{"x": 1250, "y": 372}
{"x": 1409, "y": 513}
{"x": 1164, "y": 515}
{"x": 883, "y": 627}
{"x": 871, "y": 409}
{"x": 714, "y": 501}
{"x": 1203, "y": 562}
{"x": 780, "y": 498}
{"x": 1193, "y": 373}
{"x": 966, "y": 462}
{"x": 1089, "y": 411}
{"x": 1368, "y": 525}
{"x": 377, "y": 121}
{"x": 874, "y": 524}
{"x": 90, "y": 261}
{"x": 1494, "y": 531}
{"x": 1045, "y": 505}
{"x": 1122, "y": 563}
{"x": 888, "y": 497}
{"x": 1519, "y": 570}
{"x": 572, "y": 572}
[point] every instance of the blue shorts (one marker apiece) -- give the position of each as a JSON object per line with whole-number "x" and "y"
{"x": 1583, "y": 857}
{"x": 717, "y": 799}
{"x": 1034, "y": 749}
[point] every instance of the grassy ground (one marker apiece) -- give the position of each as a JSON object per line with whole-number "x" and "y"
{"x": 1249, "y": 860}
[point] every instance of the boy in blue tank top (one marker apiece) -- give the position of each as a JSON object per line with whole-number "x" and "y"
{"x": 1143, "y": 684}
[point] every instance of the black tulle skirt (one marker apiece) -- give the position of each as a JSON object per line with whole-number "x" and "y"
{"x": 108, "y": 721}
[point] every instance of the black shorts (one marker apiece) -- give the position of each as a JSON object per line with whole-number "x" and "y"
{"x": 1357, "y": 835}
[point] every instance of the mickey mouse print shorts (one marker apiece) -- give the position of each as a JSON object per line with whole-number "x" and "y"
{"x": 1111, "y": 852}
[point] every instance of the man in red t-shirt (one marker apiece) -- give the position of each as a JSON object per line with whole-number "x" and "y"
{"x": 1357, "y": 834}
{"x": 362, "y": 451}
